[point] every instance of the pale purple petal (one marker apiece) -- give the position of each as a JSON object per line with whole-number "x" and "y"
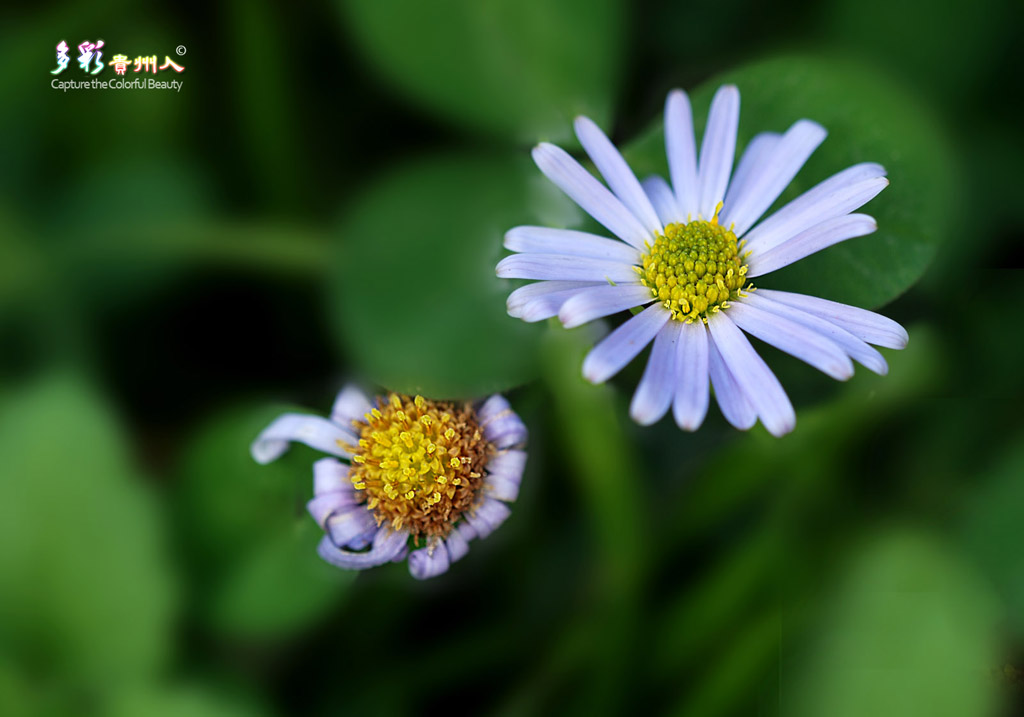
{"x": 624, "y": 343}
{"x": 616, "y": 172}
{"x": 810, "y": 241}
{"x": 690, "y": 404}
{"x": 456, "y": 545}
{"x": 753, "y": 162}
{"x": 330, "y": 476}
{"x": 568, "y": 242}
{"x": 653, "y": 394}
{"x": 865, "y": 325}
{"x": 856, "y": 348}
{"x": 350, "y": 406}
{"x": 565, "y": 268}
{"x": 347, "y": 525}
{"x": 838, "y": 195}
{"x": 508, "y": 464}
{"x": 542, "y": 300}
{"x": 500, "y": 424}
{"x": 718, "y": 148}
{"x": 681, "y": 148}
{"x": 316, "y": 432}
{"x": 787, "y": 157}
{"x": 664, "y": 201}
{"x": 323, "y": 506}
{"x": 737, "y": 410}
{"x": 599, "y": 301}
{"x": 753, "y": 376}
{"x": 793, "y": 338}
{"x": 387, "y": 544}
{"x": 429, "y": 562}
{"x": 592, "y": 196}
{"x": 486, "y": 517}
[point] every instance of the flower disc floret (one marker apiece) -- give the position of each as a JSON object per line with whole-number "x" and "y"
{"x": 419, "y": 463}
{"x": 694, "y": 268}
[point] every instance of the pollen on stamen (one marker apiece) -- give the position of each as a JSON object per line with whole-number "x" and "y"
{"x": 695, "y": 268}
{"x": 419, "y": 463}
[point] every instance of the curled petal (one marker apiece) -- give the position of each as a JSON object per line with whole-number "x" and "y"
{"x": 387, "y": 544}
{"x": 316, "y": 432}
{"x": 429, "y": 562}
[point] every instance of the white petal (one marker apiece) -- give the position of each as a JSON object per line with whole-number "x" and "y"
{"x": 543, "y": 240}
{"x": 591, "y": 304}
{"x": 856, "y": 348}
{"x": 616, "y": 172}
{"x": 840, "y": 194}
{"x": 653, "y": 395}
{"x": 681, "y": 149}
{"x": 350, "y": 405}
{"x": 865, "y": 325}
{"x": 545, "y": 305}
{"x": 793, "y": 338}
{"x": 590, "y": 194}
{"x": 387, "y": 543}
{"x": 663, "y": 199}
{"x": 690, "y": 404}
{"x": 809, "y": 241}
{"x": 718, "y": 149}
{"x": 755, "y": 379}
{"x": 763, "y": 187}
{"x": 564, "y": 268}
{"x": 622, "y": 345}
{"x": 753, "y": 162}
{"x": 735, "y": 406}
{"x": 316, "y": 432}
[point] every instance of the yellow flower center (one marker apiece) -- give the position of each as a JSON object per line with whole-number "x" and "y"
{"x": 419, "y": 463}
{"x": 694, "y": 268}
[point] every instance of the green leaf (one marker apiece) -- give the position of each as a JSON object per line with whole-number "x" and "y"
{"x": 251, "y": 542}
{"x": 993, "y": 532}
{"x": 188, "y": 700}
{"x": 912, "y": 632}
{"x": 869, "y": 118}
{"x": 417, "y": 304}
{"x": 87, "y": 591}
{"x": 521, "y": 69}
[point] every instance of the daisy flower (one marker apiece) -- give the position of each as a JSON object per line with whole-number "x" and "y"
{"x": 414, "y": 473}
{"x": 687, "y": 252}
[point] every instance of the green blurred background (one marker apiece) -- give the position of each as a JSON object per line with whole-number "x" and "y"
{"x": 324, "y": 199}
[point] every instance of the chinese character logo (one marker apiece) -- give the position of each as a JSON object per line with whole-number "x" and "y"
{"x": 120, "y": 63}
{"x": 62, "y": 58}
{"x": 86, "y": 52}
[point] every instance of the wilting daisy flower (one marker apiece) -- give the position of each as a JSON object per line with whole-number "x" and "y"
{"x": 688, "y": 252}
{"x": 421, "y": 473}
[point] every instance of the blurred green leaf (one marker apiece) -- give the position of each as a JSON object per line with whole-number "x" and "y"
{"x": 869, "y": 118}
{"x": 249, "y": 536}
{"x": 87, "y": 591}
{"x": 993, "y": 529}
{"x": 517, "y": 68}
{"x": 912, "y": 632}
{"x": 417, "y": 302}
{"x": 192, "y": 700}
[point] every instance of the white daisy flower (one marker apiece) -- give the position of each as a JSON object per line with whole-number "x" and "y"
{"x": 687, "y": 251}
